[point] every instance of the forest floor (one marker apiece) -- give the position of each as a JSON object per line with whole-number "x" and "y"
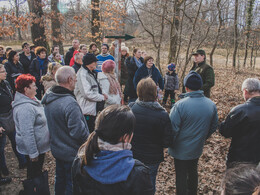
{"x": 226, "y": 94}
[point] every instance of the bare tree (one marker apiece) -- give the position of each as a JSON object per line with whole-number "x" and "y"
{"x": 235, "y": 34}
{"x": 95, "y": 22}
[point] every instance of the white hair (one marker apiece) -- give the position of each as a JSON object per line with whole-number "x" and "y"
{"x": 63, "y": 74}
{"x": 251, "y": 85}
{"x": 77, "y": 56}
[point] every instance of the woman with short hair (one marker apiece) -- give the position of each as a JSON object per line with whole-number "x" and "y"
{"x": 32, "y": 134}
{"x": 153, "y": 131}
{"x": 105, "y": 163}
{"x": 48, "y": 80}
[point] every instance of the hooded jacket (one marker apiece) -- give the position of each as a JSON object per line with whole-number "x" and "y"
{"x": 32, "y": 134}
{"x": 86, "y": 91}
{"x": 111, "y": 173}
{"x": 69, "y": 55}
{"x": 67, "y": 125}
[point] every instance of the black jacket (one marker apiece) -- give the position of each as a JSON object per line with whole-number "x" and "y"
{"x": 153, "y": 132}
{"x": 243, "y": 126}
{"x": 69, "y": 55}
{"x": 6, "y": 97}
{"x": 26, "y": 62}
{"x": 142, "y": 73}
{"x": 138, "y": 182}
{"x": 13, "y": 71}
{"x": 35, "y": 69}
{"x": 76, "y": 67}
{"x": 131, "y": 69}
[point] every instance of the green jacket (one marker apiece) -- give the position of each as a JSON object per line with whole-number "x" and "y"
{"x": 207, "y": 74}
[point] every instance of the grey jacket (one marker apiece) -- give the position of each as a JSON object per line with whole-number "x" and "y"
{"x": 171, "y": 82}
{"x": 67, "y": 125}
{"x": 32, "y": 135}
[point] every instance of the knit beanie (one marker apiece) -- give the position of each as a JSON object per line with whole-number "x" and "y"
{"x": 89, "y": 58}
{"x": 108, "y": 66}
{"x": 171, "y": 67}
{"x": 193, "y": 81}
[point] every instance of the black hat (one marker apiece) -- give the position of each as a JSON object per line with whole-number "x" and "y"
{"x": 193, "y": 81}
{"x": 89, "y": 58}
{"x": 200, "y": 51}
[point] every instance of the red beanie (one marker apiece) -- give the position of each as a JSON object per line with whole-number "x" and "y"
{"x": 108, "y": 66}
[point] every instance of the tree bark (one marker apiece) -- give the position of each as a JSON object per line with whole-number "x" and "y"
{"x": 17, "y": 15}
{"x": 37, "y": 28}
{"x": 56, "y": 26}
{"x": 235, "y": 35}
{"x": 95, "y": 22}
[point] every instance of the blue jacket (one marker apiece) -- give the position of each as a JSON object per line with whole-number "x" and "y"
{"x": 194, "y": 119}
{"x": 142, "y": 72}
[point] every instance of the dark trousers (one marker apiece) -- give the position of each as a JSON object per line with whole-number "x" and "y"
{"x": 63, "y": 179}
{"x": 91, "y": 122}
{"x": 186, "y": 176}
{"x": 20, "y": 157}
{"x": 34, "y": 169}
{"x": 166, "y": 95}
{"x": 153, "y": 173}
{"x": 40, "y": 91}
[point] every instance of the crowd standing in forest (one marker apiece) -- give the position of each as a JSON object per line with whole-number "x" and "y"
{"x": 102, "y": 146}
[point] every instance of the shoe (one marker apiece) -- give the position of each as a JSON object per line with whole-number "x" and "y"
{"x": 5, "y": 180}
{"x": 5, "y": 171}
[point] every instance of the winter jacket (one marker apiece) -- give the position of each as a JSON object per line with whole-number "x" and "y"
{"x": 138, "y": 181}
{"x": 2, "y": 59}
{"x": 171, "y": 81}
{"x": 69, "y": 55}
{"x": 36, "y": 71}
{"x": 50, "y": 59}
{"x": 6, "y": 97}
{"x": 194, "y": 118}
{"x": 26, "y": 62}
{"x": 86, "y": 91}
{"x": 76, "y": 67}
{"x": 152, "y": 133}
{"x": 131, "y": 69}
{"x": 105, "y": 85}
{"x": 67, "y": 125}
{"x": 32, "y": 134}
{"x": 142, "y": 72}
{"x": 208, "y": 77}
{"x": 124, "y": 73}
{"x": 101, "y": 58}
{"x": 242, "y": 125}
{"x": 13, "y": 71}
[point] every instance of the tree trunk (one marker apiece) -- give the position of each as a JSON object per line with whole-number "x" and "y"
{"x": 251, "y": 57}
{"x": 235, "y": 35}
{"x": 56, "y": 26}
{"x": 95, "y": 22}
{"x": 248, "y": 29}
{"x": 218, "y": 33}
{"x": 17, "y": 16}
{"x": 175, "y": 24}
{"x": 37, "y": 28}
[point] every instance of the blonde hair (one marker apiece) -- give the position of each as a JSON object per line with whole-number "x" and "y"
{"x": 52, "y": 66}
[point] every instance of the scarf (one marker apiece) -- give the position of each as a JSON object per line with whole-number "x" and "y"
{"x": 138, "y": 62}
{"x": 114, "y": 84}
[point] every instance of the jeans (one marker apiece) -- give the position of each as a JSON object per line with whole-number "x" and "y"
{"x": 186, "y": 176}
{"x": 63, "y": 179}
{"x": 34, "y": 169}
{"x": 20, "y": 157}
{"x": 153, "y": 173}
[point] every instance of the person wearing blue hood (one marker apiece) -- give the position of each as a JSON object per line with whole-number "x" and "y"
{"x": 194, "y": 118}
{"x": 38, "y": 68}
{"x": 105, "y": 163}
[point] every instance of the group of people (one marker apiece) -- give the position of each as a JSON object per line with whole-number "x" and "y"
{"x": 102, "y": 146}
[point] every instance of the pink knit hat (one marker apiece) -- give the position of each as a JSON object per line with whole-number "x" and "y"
{"x": 108, "y": 66}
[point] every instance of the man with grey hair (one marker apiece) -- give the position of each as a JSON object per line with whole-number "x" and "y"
{"x": 69, "y": 54}
{"x": 242, "y": 125}
{"x": 67, "y": 126}
{"x": 78, "y": 61}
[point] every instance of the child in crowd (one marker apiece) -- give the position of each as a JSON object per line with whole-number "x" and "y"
{"x": 171, "y": 84}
